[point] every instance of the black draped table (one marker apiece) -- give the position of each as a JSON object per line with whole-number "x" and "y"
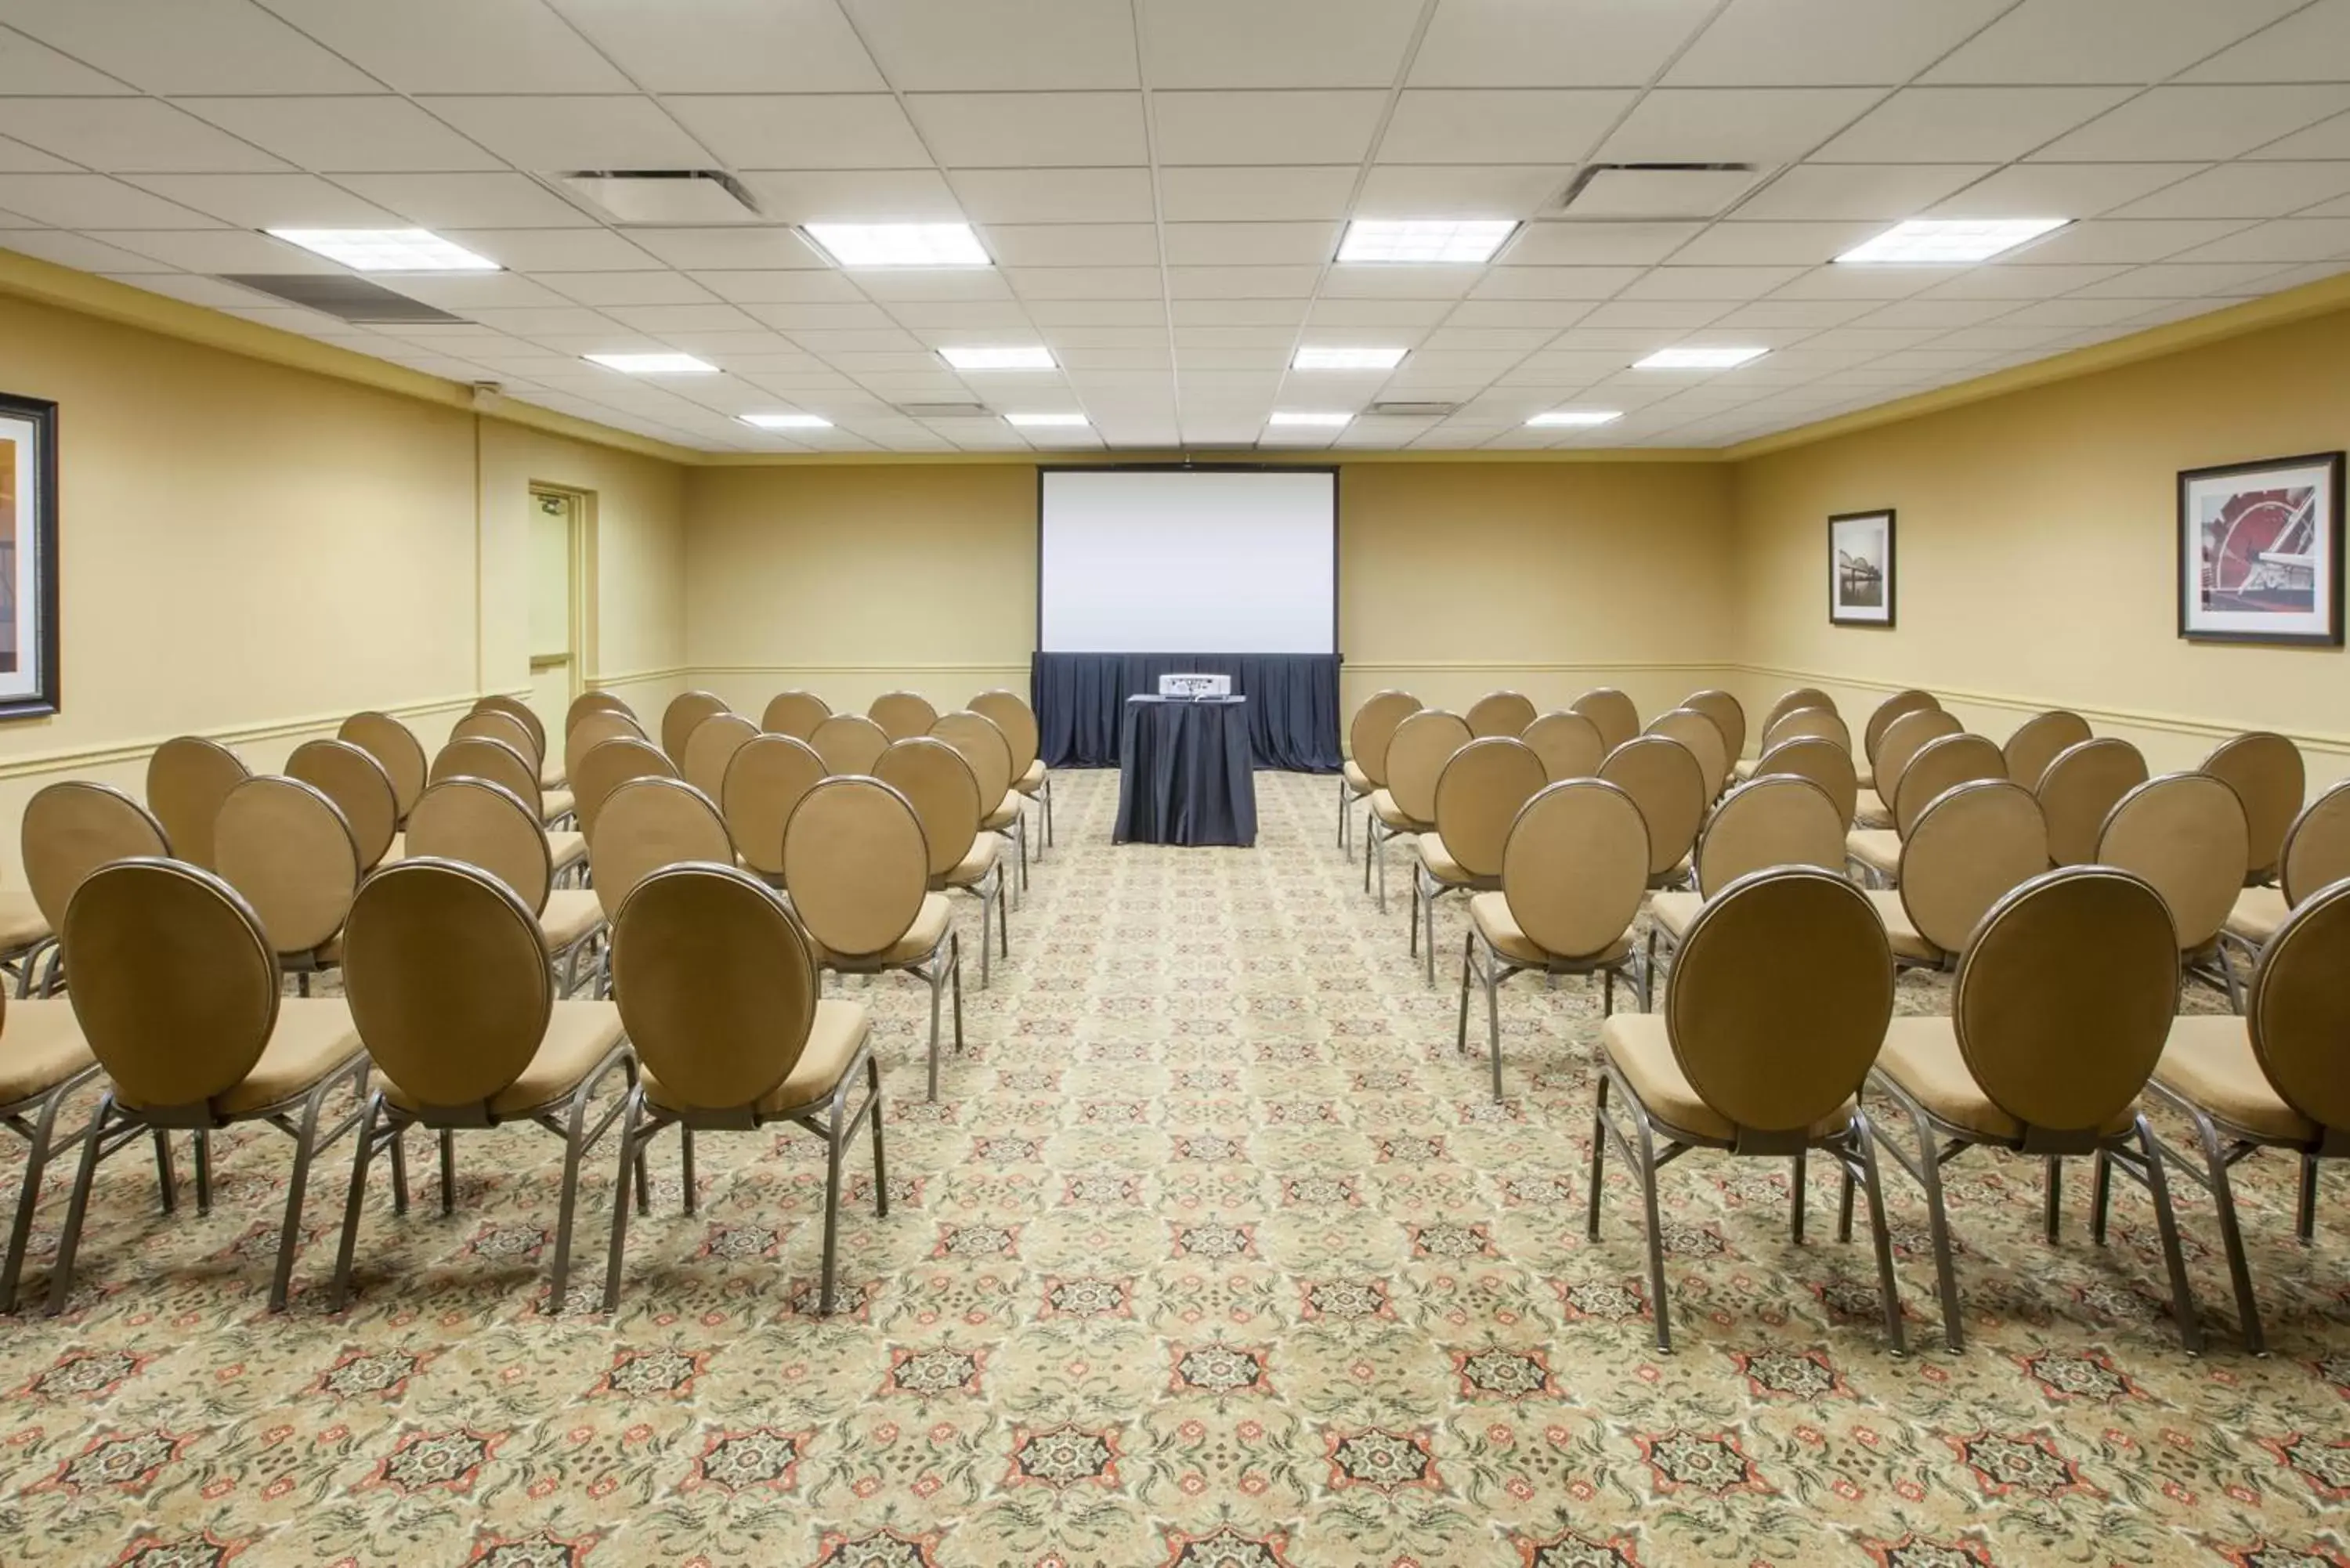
{"x": 1292, "y": 703}
{"x": 1186, "y": 777}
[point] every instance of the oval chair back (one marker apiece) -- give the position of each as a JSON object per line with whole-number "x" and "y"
{"x": 1567, "y": 743}
{"x": 711, "y": 747}
{"x": 477, "y": 823}
{"x": 856, "y": 864}
{"x": 1422, "y": 745}
{"x": 647, "y": 823}
{"x": 396, "y": 749}
{"x": 592, "y": 730}
{"x": 943, "y": 792}
{"x": 2299, "y": 1011}
{"x": 491, "y": 723}
{"x": 2318, "y": 846}
{"x": 1904, "y": 739}
{"x": 606, "y": 766}
{"x": 523, "y": 712}
{"x": 2065, "y": 997}
{"x": 1973, "y": 846}
{"x": 2079, "y": 788}
{"x": 1941, "y": 764}
{"x": 2185, "y": 835}
{"x": 1729, "y": 716}
{"x": 1890, "y": 711}
{"x": 850, "y": 744}
{"x": 1790, "y": 701}
{"x": 984, "y": 746}
{"x": 1478, "y": 797}
{"x": 2037, "y": 741}
{"x": 480, "y": 757}
{"x": 1768, "y": 1056}
{"x": 588, "y": 702}
{"x": 449, "y": 981}
{"x": 1705, "y": 741}
{"x": 1665, "y": 779}
{"x": 1612, "y": 712}
{"x": 187, "y": 779}
{"x": 765, "y": 780}
{"x": 1576, "y": 867}
{"x": 1822, "y": 760}
{"x": 2267, "y": 774}
{"x": 359, "y": 788}
{"x": 73, "y": 827}
{"x": 902, "y": 715}
{"x": 1773, "y": 819}
{"x": 1807, "y": 724}
{"x": 1009, "y": 712}
{"x": 684, "y": 711}
{"x": 284, "y": 847}
{"x": 1501, "y": 713}
{"x": 793, "y": 714}
{"x": 1373, "y": 727}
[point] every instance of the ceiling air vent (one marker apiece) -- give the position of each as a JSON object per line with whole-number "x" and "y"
{"x": 1658, "y": 190}
{"x": 649, "y": 196}
{"x": 352, "y": 298}
{"x": 946, "y": 411}
{"x": 1407, "y": 408}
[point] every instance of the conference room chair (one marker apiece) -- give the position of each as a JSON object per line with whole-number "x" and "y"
{"x": 2267, "y": 774}
{"x": 2316, "y": 852}
{"x": 1973, "y": 846}
{"x": 2273, "y": 1078}
{"x": 176, "y": 991}
{"x": 1729, "y": 716}
{"x": 1890, "y": 711}
{"x": 1499, "y": 713}
{"x": 710, "y": 748}
{"x": 1824, "y": 762}
{"x": 284, "y": 847}
{"x": 944, "y": 792}
{"x": 1568, "y": 744}
{"x": 1739, "y": 1062}
{"x": 2064, "y": 997}
{"x": 1612, "y": 712}
{"x": 25, "y": 936}
{"x": 686, "y": 711}
{"x": 1704, "y": 740}
{"x": 1798, "y": 724}
{"x": 554, "y": 804}
{"x": 2184, "y": 834}
{"x": 764, "y": 781}
{"x": 1478, "y": 797}
{"x": 453, "y": 997}
{"x": 477, "y": 823}
{"x": 588, "y": 702}
{"x": 902, "y": 715}
{"x": 2085, "y": 783}
{"x": 1416, "y": 753}
{"x": 1009, "y": 712}
{"x": 481, "y": 757}
{"x": 396, "y": 750}
{"x": 1940, "y": 764}
{"x": 1365, "y": 770}
{"x": 187, "y": 778}
{"x": 596, "y": 727}
{"x": 44, "y": 1063}
{"x": 983, "y": 745}
{"x": 1903, "y": 738}
{"x": 859, "y": 876}
{"x": 608, "y": 765}
{"x": 1795, "y": 698}
{"x": 1574, "y": 871}
{"x": 849, "y": 743}
{"x": 793, "y": 714}
{"x": 2038, "y": 740}
{"x": 647, "y": 823}
{"x": 551, "y": 775}
{"x": 718, "y": 995}
{"x": 360, "y": 789}
{"x": 69, "y": 830}
{"x": 1774, "y": 819}
{"x": 1666, "y": 781}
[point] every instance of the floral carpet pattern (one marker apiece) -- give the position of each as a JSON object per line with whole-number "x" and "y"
{"x": 1211, "y": 1254}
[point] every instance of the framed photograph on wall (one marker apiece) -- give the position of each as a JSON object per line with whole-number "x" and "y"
{"x": 1860, "y": 569}
{"x": 28, "y": 558}
{"x": 2260, "y": 552}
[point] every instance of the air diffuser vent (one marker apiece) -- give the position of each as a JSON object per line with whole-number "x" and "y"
{"x": 649, "y": 196}
{"x": 946, "y": 411}
{"x": 1658, "y": 190}
{"x": 1407, "y": 408}
{"x": 352, "y": 298}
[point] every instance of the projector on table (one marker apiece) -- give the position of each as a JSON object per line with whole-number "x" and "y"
{"x": 1190, "y": 688}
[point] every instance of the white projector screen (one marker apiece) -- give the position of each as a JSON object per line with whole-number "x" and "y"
{"x": 1188, "y": 561}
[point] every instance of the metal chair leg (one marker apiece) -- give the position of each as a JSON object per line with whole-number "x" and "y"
{"x": 306, "y": 1142}
{"x": 631, "y": 1152}
{"x": 2182, "y": 1298}
{"x": 399, "y": 1172}
{"x": 2305, "y": 1213}
{"x": 2101, "y": 1193}
{"x": 204, "y": 1163}
{"x": 1599, "y": 1159}
{"x": 1468, "y": 958}
{"x": 937, "y": 978}
{"x": 880, "y": 1163}
{"x": 954, "y": 982}
{"x": 167, "y": 1175}
{"x": 448, "y": 1171}
{"x": 2051, "y": 1218}
{"x": 78, "y": 1207}
{"x": 1656, "y": 1227}
{"x": 567, "y": 1204}
{"x": 2232, "y": 1235}
{"x": 28, "y": 1195}
{"x": 1888, "y": 1289}
{"x": 685, "y": 1163}
{"x": 1795, "y": 1200}
{"x": 353, "y": 1201}
{"x": 832, "y": 1152}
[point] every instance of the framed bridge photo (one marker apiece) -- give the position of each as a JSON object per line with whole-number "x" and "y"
{"x": 28, "y": 558}
{"x": 1860, "y": 569}
{"x": 2260, "y": 552}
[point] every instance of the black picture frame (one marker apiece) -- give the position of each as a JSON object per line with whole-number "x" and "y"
{"x": 2322, "y": 625}
{"x": 37, "y": 523}
{"x": 1844, "y": 613}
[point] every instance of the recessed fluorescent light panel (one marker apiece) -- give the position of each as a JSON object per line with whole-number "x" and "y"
{"x": 1699, "y": 359}
{"x": 1028, "y": 359}
{"x": 898, "y": 244}
{"x": 655, "y": 364}
{"x": 1314, "y": 359}
{"x": 1926, "y": 242}
{"x": 1470, "y": 242}
{"x": 1576, "y": 418}
{"x": 386, "y": 250}
{"x": 1327, "y": 421}
{"x": 1046, "y": 421}
{"x": 788, "y": 422}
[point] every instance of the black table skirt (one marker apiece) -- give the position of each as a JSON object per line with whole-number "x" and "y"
{"x": 1292, "y": 703}
{"x": 1186, "y": 778}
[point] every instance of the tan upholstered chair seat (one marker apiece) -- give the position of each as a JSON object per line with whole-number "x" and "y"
{"x": 1384, "y": 807}
{"x": 1004, "y": 815}
{"x": 42, "y": 1049}
{"x": 1499, "y": 926}
{"x": 2207, "y": 1059}
{"x": 579, "y": 1035}
{"x": 1899, "y": 929}
{"x": 1033, "y": 780}
{"x": 565, "y": 849}
{"x": 570, "y": 914}
{"x": 1878, "y": 848}
{"x": 1871, "y": 812}
{"x": 1357, "y": 779}
{"x": 929, "y": 929}
{"x": 554, "y": 802}
{"x": 975, "y": 866}
{"x": 398, "y": 851}
{"x": 1922, "y": 1055}
{"x": 2258, "y": 913}
{"x": 1675, "y": 912}
{"x": 1441, "y": 864}
{"x": 311, "y": 1039}
{"x": 550, "y": 775}
{"x": 1642, "y": 1050}
{"x": 21, "y": 922}
{"x": 1681, "y": 868}
{"x": 1743, "y": 768}
{"x": 838, "y": 1033}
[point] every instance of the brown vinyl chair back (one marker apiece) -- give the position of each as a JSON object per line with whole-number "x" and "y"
{"x": 73, "y": 827}
{"x": 1705, "y": 741}
{"x": 492, "y": 723}
{"x": 2185, "y": 835}
{"x": 2079, "y": 788}
{"x": 2318, "y": 846}
{"x": 716, "y": 985}
{"x": 1612, "y": 712}
{"x": 1373, "y": 727}
{"x": 678, "y": 719}
{"x": 984, "y": 747}
{"x": 174, "y": 985}
{"x": 2065, "y": 996}
{"x": 1904, "y": 739}
{"x": 1479, "y": 795}
{"x": 856, "y": 864}
{"x": 1729, "y": 716}
{"x": 793, "y": 714}
{"x": 765, "y": 780}
{"x": 523, "y": 712}
{"x": 359, "y": 788}
{"x": 2037, "y": 741}
{"x": 606, "y": 766}
{"x": 1576, "y": 867}
{"x": 711, "y": 747}
{"x": 1773, "y": 819}
{"x": 1501, "y": 713}
{"x": 1807, "y": 724}
{"x": 477, "y": 823}
{"x": 286, "y": 848}
{"x": 592, "y": 730}
{"x": 2299, "y": 1011}
{"x": 449, "y": 983}
{"x": 588, "y": 702}
{"x": 850, "y": 744}
{"x": 1941, "y": 764}
{"x": 1567, "y": 743}
{"x": 2268, "y": 776}
{"x": 1822, "y": 760}
{"x": 1973, "y": 846}
{"x": 944, "y": 791}
{"x": 1665, "y": 779}
{"x": 1416, "y": 753}
{"x": 1799, "y": 697}
{"x": 902, "y": 715}
{"x": 187, "y": 779}
{"x": 1009, "y": 712}
{"x": 1768, "y": 1055}
{"x": 394, "y": 746}
{"x": 480, "y": 757}
{"x": 647, "y": 823}
{"x": 1890, "y": 711}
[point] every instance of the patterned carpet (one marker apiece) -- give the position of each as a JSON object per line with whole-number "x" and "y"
{"x": 1212, "y": 1255}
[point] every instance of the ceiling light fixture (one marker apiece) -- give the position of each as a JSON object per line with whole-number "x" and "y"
{"x": 898, "y": 244}
{"x": 1576, "y": 417}
{"x": 1048, "y": 421}
{"x": 1699, "y": 359}
{"x": 788, "y": 422}
{"x": 1035, "y": 357}
{"x": 1312, "y": 357}
{"x": 655, "y": 364}
{"x": 386, "y": 250}
{"x": 1294, "y": 417}
{"x": 1927, "y": 242}
{"x": 1469, "y": 242}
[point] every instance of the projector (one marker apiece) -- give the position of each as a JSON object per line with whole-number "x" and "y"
{"x": 1192, "y": 687}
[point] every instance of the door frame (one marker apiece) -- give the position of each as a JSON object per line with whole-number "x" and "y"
{"x": 581, "y": 564}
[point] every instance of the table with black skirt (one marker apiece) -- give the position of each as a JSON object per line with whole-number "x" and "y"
{"x": 1184, "y": 773}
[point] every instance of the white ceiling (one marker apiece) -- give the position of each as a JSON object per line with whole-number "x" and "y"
{"x": 1162, "y": 183}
